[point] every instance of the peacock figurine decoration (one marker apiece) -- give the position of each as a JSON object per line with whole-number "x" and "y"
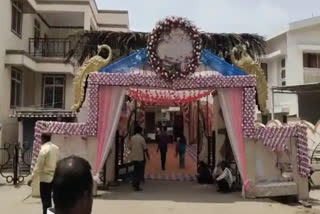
{"x": 247, "y": 64}
{"x": 94, "y": 64}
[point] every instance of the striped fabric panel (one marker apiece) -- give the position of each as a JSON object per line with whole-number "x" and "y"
{"x": 171, "y": 177}
{"x": 192, "y": 152}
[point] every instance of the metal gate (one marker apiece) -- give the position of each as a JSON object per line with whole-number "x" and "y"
{"x": 124, "y": 167}
{"x": 15, "y": 163}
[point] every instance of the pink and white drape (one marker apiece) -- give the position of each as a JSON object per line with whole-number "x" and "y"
{"x": 110, "y": 106}
{"x": 207, "y": 110}
{"x": 231, "y": 104}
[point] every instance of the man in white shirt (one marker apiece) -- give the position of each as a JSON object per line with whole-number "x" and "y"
{"x": 45, "y": 168}
{"x": 223, "y": 177}
{"x": 138, "y": 150}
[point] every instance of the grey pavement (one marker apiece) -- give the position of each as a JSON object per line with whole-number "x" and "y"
{"x": 157, "y": 197}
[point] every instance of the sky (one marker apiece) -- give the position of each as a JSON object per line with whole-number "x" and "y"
{"x": 265, "y": 17}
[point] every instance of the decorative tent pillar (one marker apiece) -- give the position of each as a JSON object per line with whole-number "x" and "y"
{"x": 230, "y": 101}
{"x": 110, "y": 106}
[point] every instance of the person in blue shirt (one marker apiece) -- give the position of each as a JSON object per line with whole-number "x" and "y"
{"x": 181, "y": 150}
{"x": 163, "y": 147}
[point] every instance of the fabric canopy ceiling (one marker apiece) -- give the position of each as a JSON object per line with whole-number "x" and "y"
{"x": 167, "y": 97}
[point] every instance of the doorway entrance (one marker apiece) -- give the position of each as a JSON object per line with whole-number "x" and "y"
{"x": 153, "y": 117}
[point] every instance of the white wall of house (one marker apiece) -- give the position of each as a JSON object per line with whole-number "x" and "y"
{"x": 13, "y": 42}
{"x": 69, "y": 92}
{"x": 276, "y": 51}
{"x": 296, "y": 40}
{"x": 7, "y": 39}
{"x": 290, "y": 45}
{"x": 62, "y": 32}
{"x": 277, "y": 43}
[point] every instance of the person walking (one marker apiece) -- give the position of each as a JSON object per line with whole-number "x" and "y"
{"x": 45, "y": 168}
{"x": 181, "y": 150}
{"x": 163, "y": 147}
{"x": 138, "y": 150}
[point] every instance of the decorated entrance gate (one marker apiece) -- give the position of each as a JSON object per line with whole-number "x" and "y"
{"x": 173, "y": 63}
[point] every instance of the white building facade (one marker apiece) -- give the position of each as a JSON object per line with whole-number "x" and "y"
{"x": 293, "y": 59}
{"x": 36, "y": 83}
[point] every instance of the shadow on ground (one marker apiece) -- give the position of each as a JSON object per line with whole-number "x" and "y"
{"x": 173, "y": 191}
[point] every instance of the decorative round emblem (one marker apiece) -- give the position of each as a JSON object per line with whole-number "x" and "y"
{"x": 174, "y": 48}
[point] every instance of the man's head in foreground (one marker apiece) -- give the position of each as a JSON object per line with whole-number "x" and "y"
{"x": 72, "y": 186}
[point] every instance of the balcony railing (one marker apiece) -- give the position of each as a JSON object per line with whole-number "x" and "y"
{"x": 49, "y": 47}
{"x": 311, "y": 75}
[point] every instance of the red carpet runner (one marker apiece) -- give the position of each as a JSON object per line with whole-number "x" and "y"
{"x": 173, "y": 172}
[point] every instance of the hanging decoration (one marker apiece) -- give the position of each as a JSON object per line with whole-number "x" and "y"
{"x": 167, "y": 97}
{"x": 174, "y": 48}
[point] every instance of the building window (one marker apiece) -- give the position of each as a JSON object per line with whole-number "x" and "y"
{"x": 283, "y": 72}
{"x": 16, "y": 88}
{"x": 37, "y": 33}
{"x": 16, "y": 17}
{"x": 311, "y": 60}
{"x": 264, "y": 67}
{"x": 283, "y": 63}
{"x": 53, "y": 91}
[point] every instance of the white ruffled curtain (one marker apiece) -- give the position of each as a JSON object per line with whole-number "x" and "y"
{"x": 231, "y": 101}
{"x": 110, "y": 106}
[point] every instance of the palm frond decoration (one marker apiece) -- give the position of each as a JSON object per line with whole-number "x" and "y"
{"x": 84, "y": 44}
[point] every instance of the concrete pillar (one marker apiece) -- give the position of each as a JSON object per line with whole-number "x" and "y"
{"x": 1, "y": 135}
{"x": 250, "y": 152}
{"x": 87, "y": 21}
{"x": 20, "y": 132}
{"x": 302, "y": 182}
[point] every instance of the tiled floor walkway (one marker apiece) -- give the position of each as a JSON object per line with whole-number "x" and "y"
{"x": 173, "y": 172}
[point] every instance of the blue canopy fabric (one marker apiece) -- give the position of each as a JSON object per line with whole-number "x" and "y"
{"x": 140, "y": 58}
{"x": 127, "y": 64}
{"x": 220, "y": 65}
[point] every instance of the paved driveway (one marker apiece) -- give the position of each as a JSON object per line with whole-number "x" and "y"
{"x": 157, "y": 197}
